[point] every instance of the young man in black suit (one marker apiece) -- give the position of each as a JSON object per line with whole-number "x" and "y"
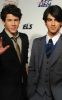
{"x": 13, "y": 56}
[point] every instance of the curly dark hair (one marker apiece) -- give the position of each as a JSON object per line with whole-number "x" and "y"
{"x": 55, "y": 11}
{"x": 10, "y": 9}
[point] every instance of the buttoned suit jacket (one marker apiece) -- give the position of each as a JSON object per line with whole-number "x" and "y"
{"x": 36, "y": 59}
{"x": 11, "y": 70}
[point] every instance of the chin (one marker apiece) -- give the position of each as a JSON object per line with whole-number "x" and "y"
{"x": 54, "y": 33}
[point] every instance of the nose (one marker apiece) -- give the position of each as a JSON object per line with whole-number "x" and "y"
{"x": 53, "y": 22}
{"x": 13, "y": 22}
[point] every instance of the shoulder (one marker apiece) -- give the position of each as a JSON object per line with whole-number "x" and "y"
{"x": 23, "y": 35}
{"x": 24, "y": 38}
{"x": 36, "y": 41}
{"x": 61, "y": 36}
{"x": 39, "y": 39}
{"x": 2, "y": 33}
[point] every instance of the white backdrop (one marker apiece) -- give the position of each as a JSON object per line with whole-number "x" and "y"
{"x": 32, "y": 17}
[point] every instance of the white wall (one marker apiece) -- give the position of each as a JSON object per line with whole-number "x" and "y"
{"x": 32, "y": 14}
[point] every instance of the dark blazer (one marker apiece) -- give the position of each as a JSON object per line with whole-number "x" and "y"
{"x": 11, "y": 71}
{"x": 55, "y": 68}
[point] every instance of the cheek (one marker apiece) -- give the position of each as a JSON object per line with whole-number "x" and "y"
{"x": 7, "y": 24}
{"x": 48, "y": 24}
{"x": 8, "y": 27}
{"x": 17, "y": 25}
{"x": 58, "y": 26}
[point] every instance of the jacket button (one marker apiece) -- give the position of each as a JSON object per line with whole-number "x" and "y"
{"x": 47, "y": 62}
{"x": 46, "y": 68}
{"x": 46, "y": 75}
{"x": 51, "y": 69}
{"x": 46, "y": 81}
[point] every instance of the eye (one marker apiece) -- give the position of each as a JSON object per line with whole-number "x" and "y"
{"x": 48, "y": 19}
{"x": 16, "y": 20}
{"x": 9, "y": 20}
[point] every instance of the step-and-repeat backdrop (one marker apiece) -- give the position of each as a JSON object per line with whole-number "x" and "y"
{"x": 31, "y": 23}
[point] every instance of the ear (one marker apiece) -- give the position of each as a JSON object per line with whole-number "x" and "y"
{"x": 3, "y": 22}
{"x": 61, "y": 23}
{"x": 45, "y": 23}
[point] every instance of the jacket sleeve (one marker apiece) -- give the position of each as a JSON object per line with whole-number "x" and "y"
{"x": 27, "y": 46}
{"x": 31, "y": 73}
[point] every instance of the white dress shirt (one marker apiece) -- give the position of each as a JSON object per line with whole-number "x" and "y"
{"x": 54, "y": 39}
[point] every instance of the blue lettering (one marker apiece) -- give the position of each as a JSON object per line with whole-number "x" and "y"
{"x": 44, "y": 5}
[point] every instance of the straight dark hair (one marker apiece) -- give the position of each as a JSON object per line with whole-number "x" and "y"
{"x": 55, "y": 11}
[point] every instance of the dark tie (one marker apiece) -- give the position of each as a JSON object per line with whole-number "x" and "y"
{"x": 48, "y": 52}
{"x": 17, "y": 48}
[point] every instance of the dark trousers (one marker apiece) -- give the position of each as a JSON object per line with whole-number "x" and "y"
{"x": 24, "y": 92}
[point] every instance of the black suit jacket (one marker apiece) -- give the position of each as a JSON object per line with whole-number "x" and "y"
{"x": 11, "y": 71}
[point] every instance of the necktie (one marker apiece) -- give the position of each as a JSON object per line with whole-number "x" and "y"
{"x": 48, "y": 52}
{"x": 17, "y": 48}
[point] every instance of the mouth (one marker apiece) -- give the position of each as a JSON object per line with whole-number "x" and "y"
{"x": 13, "y": 28}
{"x": 53, "y": 28}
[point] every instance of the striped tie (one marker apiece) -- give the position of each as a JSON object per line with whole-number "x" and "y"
{"x": 48, "y": 52}
{"x": 17, "y": 48}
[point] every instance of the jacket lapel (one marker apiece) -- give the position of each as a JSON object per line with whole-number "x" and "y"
{"x": 58, "y": 50}
{"x": 41, "y": 49}
{"x": 22, "y": 46}
{"x": 8, "y": 41}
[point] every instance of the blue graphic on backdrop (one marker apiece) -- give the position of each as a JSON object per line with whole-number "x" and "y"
{"x": 45, "y": 3}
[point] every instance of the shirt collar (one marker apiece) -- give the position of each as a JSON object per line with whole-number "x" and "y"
{"x": 54, "y": 39}
{"x": 10, "y": 35}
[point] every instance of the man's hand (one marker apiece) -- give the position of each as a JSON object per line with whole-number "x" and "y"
{"x": 27, "y": 71}
{"x": 2, "y": 50}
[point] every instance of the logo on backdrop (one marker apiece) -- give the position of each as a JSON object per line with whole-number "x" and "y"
{"x": 27, "y": 26}
{"x": 6, "y": 2}
{"x": 44, "y": 3}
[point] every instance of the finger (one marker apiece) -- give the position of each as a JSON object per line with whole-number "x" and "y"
{"x": 27, "y": 70}
{"x": 1, "y": 42}
{"x": 2, "y": 50}
{"x": 7, "y": 47}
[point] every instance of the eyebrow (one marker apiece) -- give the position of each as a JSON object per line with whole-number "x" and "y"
{"x": 50, "y": 19}
{"x": 14, "y": 19}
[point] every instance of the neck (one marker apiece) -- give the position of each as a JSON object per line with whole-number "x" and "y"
{"x": 51, "y": 35}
